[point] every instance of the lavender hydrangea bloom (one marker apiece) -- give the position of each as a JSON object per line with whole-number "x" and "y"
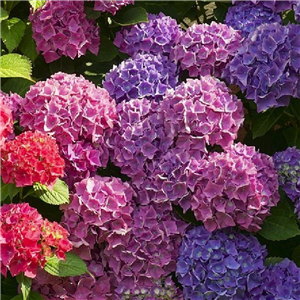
{"x": 144, "y": 75}
{"x": 245, "y": 16}
{"x": 280, "y": 281}
{"x": 111, "y": 6}
{"x": 296, "y": 8}
{"x": 217, "y": 265}
{"x": 275, "y": 5}
{"x": 206, "y": 49}
{"x": 61, "y": 28}
{"x": 13, "y": 101}
{"x": 263, "y": 67}
{"x": 294, "y": 40}
{"x": 100, "y": 210}
{"x": 203, "y": 108}
{"x": 156, "y": 36}
{"x": 151, "y": 252}
{"x": 77, "y": 114}
{"x": 237, "y": 187}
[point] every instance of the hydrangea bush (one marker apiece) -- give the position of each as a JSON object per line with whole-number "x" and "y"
{"x": 150, "y": 150}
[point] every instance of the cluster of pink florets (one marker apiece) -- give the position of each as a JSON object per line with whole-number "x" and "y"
{"x": 6, "y": 122}
{"x": 111, "y": 6}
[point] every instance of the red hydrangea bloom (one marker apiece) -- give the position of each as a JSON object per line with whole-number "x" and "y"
{"x": 6, "y": 122}
{"x": 61, "y": 28}
{"x": 111, "y": 6}
{"x": 31, "y": 157}
{"x": 25, "y": 237}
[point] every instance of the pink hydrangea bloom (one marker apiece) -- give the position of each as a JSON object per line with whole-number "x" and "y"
{"x": 6, "y": 122}
{"x": 31, "y": 157}
{"x": 111, "y": 6}
{"x": 237, "y": 187}
{"x": 77, "y": 114}
{"x": 13, "y": 101}
{"x": 206, "y": 49}
{"x": 203, "y": 108}
{"x": 61, "y": 28}
{"x": 26, "y": 240}
{"x": 100, "y": 210}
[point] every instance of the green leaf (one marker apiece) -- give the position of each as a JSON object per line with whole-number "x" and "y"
{"x": 36, "y": 4}
{"x": 9, "y": 286}
{"x": 4, "y": 14}
{"x": 282, "y": 223}
{"x": 28, "y": 45}
{"x": 15, "y": 65}
{"x": 296, "y": 256}
{"x": 59, "y": 194}
{"x": 8, "y": 190}
{"x": 17, "y": 85}
{"x": 32, "y": 296}
{"x": 131, "y": 16}
{"x": 12, "y": 31}
{"x": 72, "y": 266}
{"x": 292, "y": 136}
{"x": 9, "y": 5}
{"x": 25, "y": 284}
{"x": 263, "y": 122}
{"x": 273, "y": 260}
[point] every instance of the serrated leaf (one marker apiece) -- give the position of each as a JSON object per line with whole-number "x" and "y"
{"x": 28, "y": 45}
{"x": 32, "y": 296}
{"x": 25, "y": 285}
{"x": 59, "y": 194}
{"x": 296, "y": 256}
{"x": 8, "y": 190}
{"x": 273, "y": 260}
{"x": 12, "y": 31}
{"x": 17, "y": 85}
{"x": 36, "y": 3}
{"x": 15, "y": 65}
{"x": 263, "y": 122}
{"x": 292, "y": 136}
{"x": 4, "y": 14}
{"x": 9, "y": 5}
{"x": 131, "y": 16}
{"x": 72, "y": 266}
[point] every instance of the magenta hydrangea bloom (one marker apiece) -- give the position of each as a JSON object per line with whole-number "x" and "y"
{"x": 266, "y": 66}
{"x": 219, "y": 265}
{"x": 151, "y": 252}
{"x": 144, "y": 75}
{"x": 277, "y": 6}
{"x": 237, "y": 187}
{"x": 13, "y": 101}
{"x": 203, "y": 108}
{"x": 206, "y": 49}
{"x": 77, "y": 114}
{"x": 246, "y": 16}
{"x": 61, "y": 28}
{"x": 156, "y": 36}
{"x": 100, "y": 210}
{"x": 111, "y": 6}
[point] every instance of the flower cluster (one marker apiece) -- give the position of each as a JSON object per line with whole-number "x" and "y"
{"x": 203, "y": 108}
{"x": 236, "y": 187}
{"x": 263, "y": 66}
{"x": 218, "y": 265}
{"x": 6, "y": 122}
{"x": 157, "y": 36}
{"x": 111, "y": 6}
{"x": 296, "y": 8}
{"x": 31, "y": 157}
{"x": 144, "y": 75}
{"x": 100, "y": 211}
{"x": 26, "y": 240}
{"x": 13, "y": 101}
{"x": 61, "y": 28}
{"x": 274, "y": 5}
{"x": 206, "y": 49}
{"x": 73, "y": 110}
{"x": 245, "y": 16}
{"x": 151, "y": 252}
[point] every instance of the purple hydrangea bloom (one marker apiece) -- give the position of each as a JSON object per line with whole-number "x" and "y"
{"x": 236, "y": 187}
{"x": 217, "y": 265}
{"x": 277, "y": 6}
{"x": 13, "y": 101}
{"x": 156, "y": 36}
{"x": 203, "y": 108}
{"x": 144, "y": 75}
{"x": 100, "y": 210}
{"x": 280, "y": 281}
{"x": 111, "y": 6}
{"x": 245, "y": 16}
{"x": 77, "y": 114}
{"x": 61, "y": 28}
{"x": 266, "y": 66}
{"x": 206, "y": 49}
{"x": 296, "y": 8}
{"x": 151, "y": 252}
